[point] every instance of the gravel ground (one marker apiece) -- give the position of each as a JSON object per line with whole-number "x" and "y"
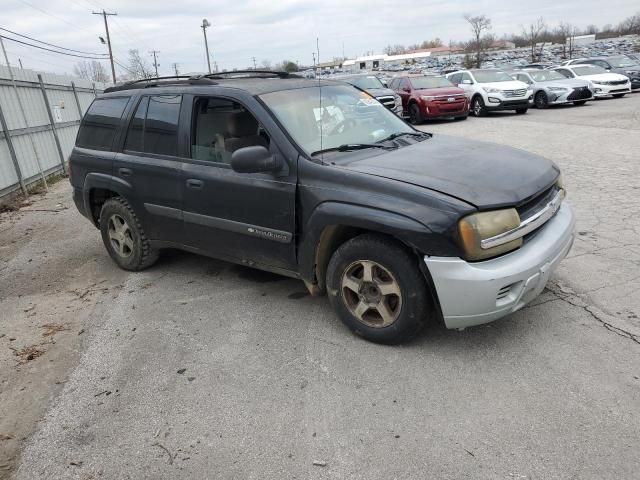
{"x": 201, "y": 369}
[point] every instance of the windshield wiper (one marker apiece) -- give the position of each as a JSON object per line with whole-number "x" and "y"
{"x": 347, "y": 147}
{"x": 402, "y": 134}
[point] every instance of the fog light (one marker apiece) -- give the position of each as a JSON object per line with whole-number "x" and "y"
{"x": 494, "y": 100}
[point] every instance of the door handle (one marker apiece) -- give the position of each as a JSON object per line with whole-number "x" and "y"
{"x": 195, "y": 184}
{"x": 125, "y": 172}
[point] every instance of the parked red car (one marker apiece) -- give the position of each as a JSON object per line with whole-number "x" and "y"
{"x": 430, "y": 98}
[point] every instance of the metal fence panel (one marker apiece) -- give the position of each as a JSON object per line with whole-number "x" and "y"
{"x": 36, "y": 133}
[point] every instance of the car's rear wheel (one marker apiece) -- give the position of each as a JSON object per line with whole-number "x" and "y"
{"x": 580, "y": 103}
{"x": 415, "y": 115}
{"x": 619, "y": 95}
{"x": 377, "y": 289}
{"x": 541, "y": 100}
{"x": 477, "y": 106}
{"x": 123, "y": 236}
{"x": 521, "y": 111}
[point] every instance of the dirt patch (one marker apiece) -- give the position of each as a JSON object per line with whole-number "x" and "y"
{"x": 54, "y": 276}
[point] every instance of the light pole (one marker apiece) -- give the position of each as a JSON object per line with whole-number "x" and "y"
{"x": 204, "y": 26}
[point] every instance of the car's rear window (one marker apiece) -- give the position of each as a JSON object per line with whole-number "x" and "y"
{"x": 100, "y": 123}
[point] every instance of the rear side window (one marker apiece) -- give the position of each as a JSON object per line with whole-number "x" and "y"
{"x": 100, "y": 123}
{"x": 154, "y": 127}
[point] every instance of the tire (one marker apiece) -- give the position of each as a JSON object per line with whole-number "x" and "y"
{"x": 619, "y": 95}
{"x": 521, "y": 111}
{"x": 415, "y": 115}
{"x": 123, "y": 236}
{"x": 477, "y": 107}
{"x": 580, "y": 103}
{"x": 405, "y": 308}
{"x": 541, "y": 100}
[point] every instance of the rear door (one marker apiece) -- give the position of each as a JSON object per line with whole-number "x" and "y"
{"x": 150, "y": 162}
{"x": 244, "y": 217}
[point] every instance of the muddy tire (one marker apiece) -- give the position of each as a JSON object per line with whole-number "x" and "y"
{"x": 378, "y": 290}
{"x": 123, "y": 236}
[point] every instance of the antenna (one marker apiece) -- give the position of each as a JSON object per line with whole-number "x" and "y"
{"x": 320, "y": 101}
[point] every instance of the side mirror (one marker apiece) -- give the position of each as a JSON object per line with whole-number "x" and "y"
{"x": 254, "y": 159}
{"x": 467, "y": 82}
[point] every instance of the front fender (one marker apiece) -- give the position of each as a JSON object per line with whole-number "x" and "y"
{"x": 416, "y": 235}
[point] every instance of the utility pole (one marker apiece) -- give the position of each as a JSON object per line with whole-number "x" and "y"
{"x": 155, "y": 60}
{"x": 20, "y": 62}
{"x": 254, "y": 63}
{"x": 175, "y": 68}
{"x": 314, "y": 59}
{"x": 106, "y": 27}
{"x": 204, "y": 26}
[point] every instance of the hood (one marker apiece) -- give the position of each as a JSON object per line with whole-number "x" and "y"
{"x": 605, "y": 77}
{"x": 567, "y": 82}
{"x": 442, "y": 91}
{"x": 485, "y": 175}
{"x": 513, "y": 85}
{"x": 380, "y": 92}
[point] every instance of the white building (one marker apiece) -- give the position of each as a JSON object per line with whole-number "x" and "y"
{"x": 580, "y": 40}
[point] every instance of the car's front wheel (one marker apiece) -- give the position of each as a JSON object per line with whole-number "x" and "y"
{"x": 377, "y": 289}
{"x": 541, "y": 100}
{"x": 477, "y": 106}
{"x": 415, "y": 115}
{"x": 124, "y": 237}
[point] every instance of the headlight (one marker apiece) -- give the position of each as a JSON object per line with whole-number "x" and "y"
{"x": 558, "y": 89}
{"x": 560, "y": 185}
{"x": 428, "y": 98}
{"x": 491, "y": 90}
{"x": 480, "y": 226}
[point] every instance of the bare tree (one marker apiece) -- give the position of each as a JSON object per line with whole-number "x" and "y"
{"x": 93, "y": 70}
{"x": 138, "y": 67}
{"x": 532, "y": 34}
{"x": 566, "y": 33}
{"x": 630, "y": 25}
{"x": 479, "y": 24}
{"x": 591, "y": 30}
{"x": 266, "y": 64}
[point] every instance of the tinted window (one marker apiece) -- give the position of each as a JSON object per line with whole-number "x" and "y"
{"x": 135, "y": 135}
{"x": 154, "y": 127}
{"x": 161, "y": 125}
{"x": 100, "y": 123}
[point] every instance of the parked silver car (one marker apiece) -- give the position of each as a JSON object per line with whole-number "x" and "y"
{"x": 552, "y": 88}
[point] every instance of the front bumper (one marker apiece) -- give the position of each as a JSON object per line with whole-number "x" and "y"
{"x": 435, "y": 109}
{"x": 476, "y": 293}
{"x": 606, "y": 90}
{"x": 495, "y": 103}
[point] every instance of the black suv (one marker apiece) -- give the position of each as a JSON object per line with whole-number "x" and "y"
{"x": 321, "y": 182}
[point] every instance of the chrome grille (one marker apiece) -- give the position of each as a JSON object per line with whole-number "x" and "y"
{"x": 515, "y": 93}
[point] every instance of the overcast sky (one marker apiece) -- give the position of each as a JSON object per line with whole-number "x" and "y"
{"x": 271, "y": 29}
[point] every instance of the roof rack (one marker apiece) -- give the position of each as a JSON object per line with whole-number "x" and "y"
{"x": 251, "y": 74}
{"x": 161, "y": 82}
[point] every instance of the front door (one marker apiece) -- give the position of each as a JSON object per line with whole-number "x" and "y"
{"x": 243, "y": 217}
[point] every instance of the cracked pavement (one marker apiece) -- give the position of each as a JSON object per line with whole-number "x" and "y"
{"x": 200, "y": 369}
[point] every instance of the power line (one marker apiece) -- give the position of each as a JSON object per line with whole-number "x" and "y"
{"x": 51, "y": 50}
{"x": 54, "y": 16}
{"x": 50, "y": 44}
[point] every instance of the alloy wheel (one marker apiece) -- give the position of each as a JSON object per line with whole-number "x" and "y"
{"x": 371, "y": 293}
{"x": 120, "y": 236}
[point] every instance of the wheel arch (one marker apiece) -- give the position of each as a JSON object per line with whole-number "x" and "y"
{"x": 98, "y": 188}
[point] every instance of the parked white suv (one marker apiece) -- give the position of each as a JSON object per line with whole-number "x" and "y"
{"x": 491, "y": 89}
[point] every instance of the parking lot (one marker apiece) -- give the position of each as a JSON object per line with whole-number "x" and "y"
{"x": 197, "y": 368}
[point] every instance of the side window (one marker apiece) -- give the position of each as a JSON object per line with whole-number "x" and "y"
{"x": 565, "y": 72}
{"x": 524, "y": 78}
{"x": 100, "y": 123}
{"x": 404, "y": 84}
{"x": 154, "y": 127}
{"x": 220, "y": 127}
{"x": 465, "y": 76}
{"x": 603, "y": 64}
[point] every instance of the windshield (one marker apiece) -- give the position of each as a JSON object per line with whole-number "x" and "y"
{"x": 622, "y": 62}
{"x": 588, "y": 70}
{"x": 347, "y": 116}
{"x": 547, "y": 75}
{"x": 370, "y": 81}
{"x": 488, "y": 76}
{"x": 430, "y": 82}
